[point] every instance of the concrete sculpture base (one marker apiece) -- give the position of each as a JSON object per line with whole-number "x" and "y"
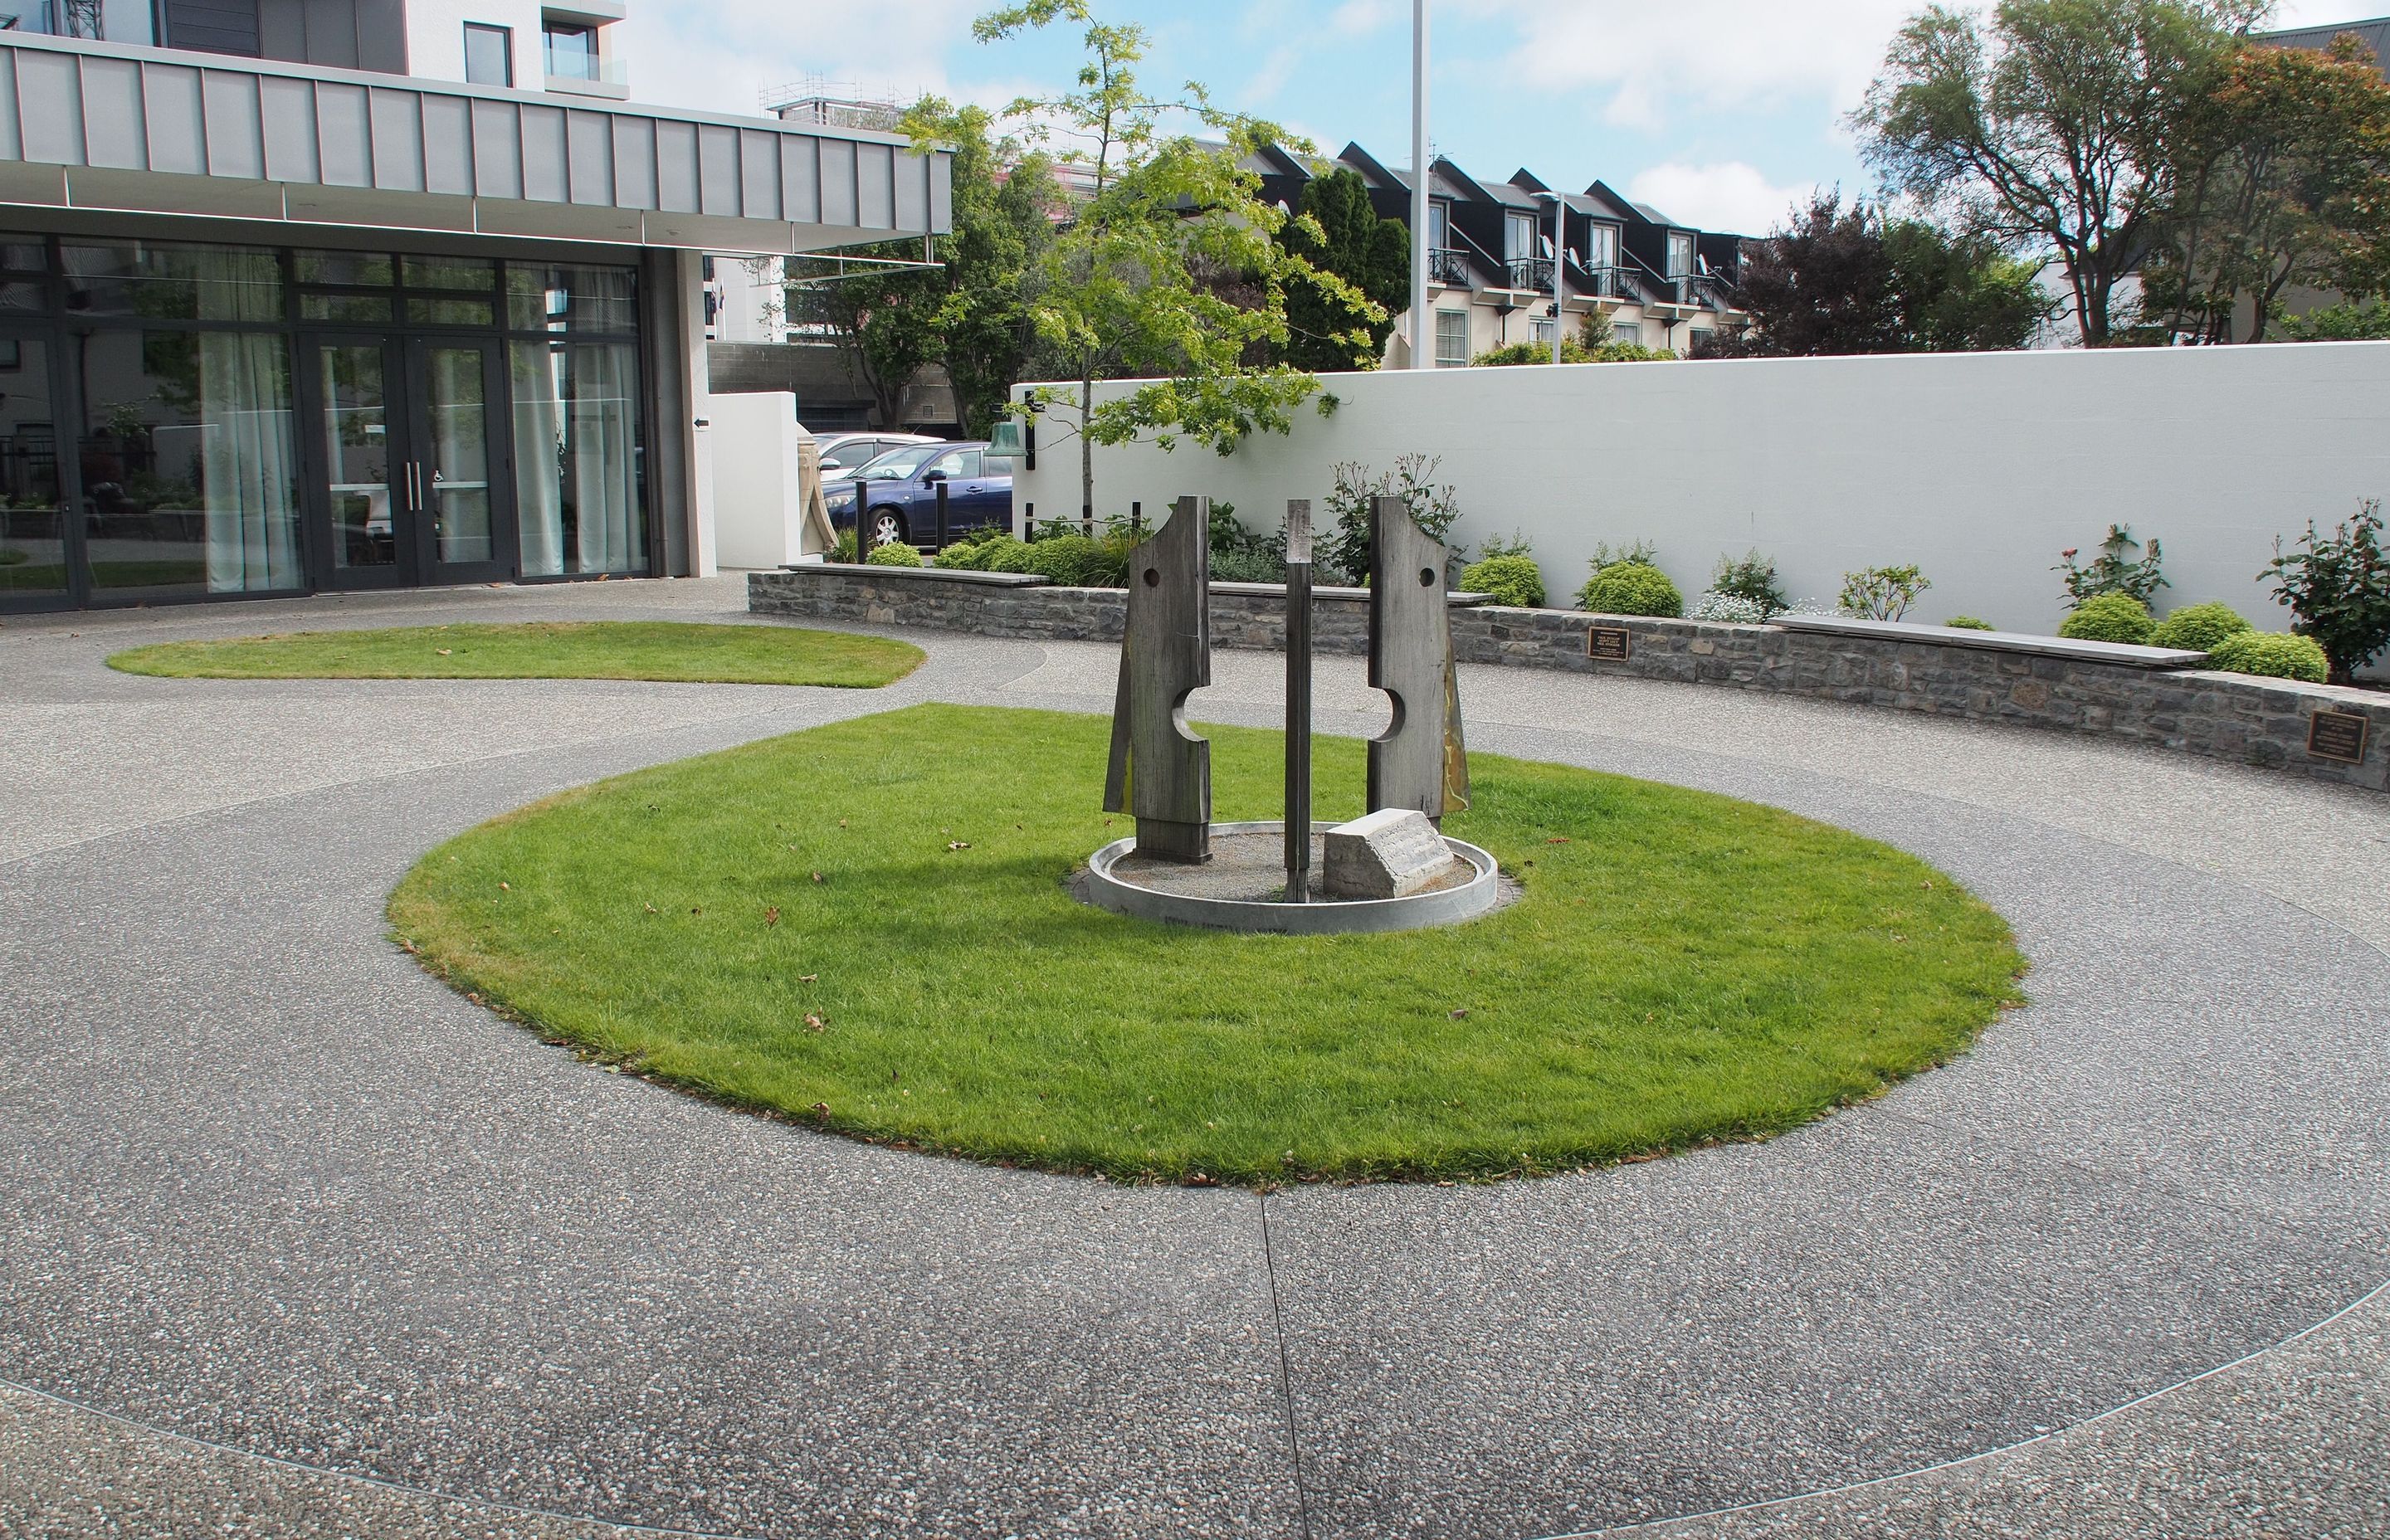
{"x": 1242, "y": 888}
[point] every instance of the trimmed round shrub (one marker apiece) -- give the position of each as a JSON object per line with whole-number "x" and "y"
{"x": 1512, "y": 580}
{"x": 2197, "y": 627}
{"x": 2273, "y": 654}
{"x": 1967, "y": 623}
{"x": 2109, "y": 617}
{"x": 1631, "y": 589}
{"x": 1004, "y": 556}
{"x": 1076, "y": 561}
{"x": 895, "y": 554}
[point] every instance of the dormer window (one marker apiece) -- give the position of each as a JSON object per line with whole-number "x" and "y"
{"x": 1519, "y": 236}
{"x": 571, "y": 50}
{"x": 1680, "y": 254}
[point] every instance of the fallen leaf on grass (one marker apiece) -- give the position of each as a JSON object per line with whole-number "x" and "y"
{"x": 960, "y": 844}
{"x": 652, "y": 909}
{"x": 772, "y": 917}
{"x": 1461, "y": 1014}
{"x": 817, "y": 877}
{"x": 808, "y": 977}
{"x": 443, "y": 652}
{"x": 1559, "y": 840}
{"x": 815, "y": 1023}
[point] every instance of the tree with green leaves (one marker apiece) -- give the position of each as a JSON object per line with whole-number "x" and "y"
{"x": 2284, "y": 181}
{"x": 971, "y": 313}
{"x": 1326, "y": 330}
{"x": 2052, "y": 129}
{"x": 1962, "y": 293}
{"x": 1131, "y": 286}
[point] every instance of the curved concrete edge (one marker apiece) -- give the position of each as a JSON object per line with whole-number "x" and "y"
{"x": 68, "y": 1470}
{"x": 1480, "y": 895}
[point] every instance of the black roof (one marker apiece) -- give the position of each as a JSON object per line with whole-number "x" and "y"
{"x": 2375, "y": 35}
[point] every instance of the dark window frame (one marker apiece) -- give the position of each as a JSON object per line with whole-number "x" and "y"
{"x": 506, "y": 36}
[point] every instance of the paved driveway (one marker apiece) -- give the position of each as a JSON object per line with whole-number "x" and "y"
{"x": 272, "y": 1195}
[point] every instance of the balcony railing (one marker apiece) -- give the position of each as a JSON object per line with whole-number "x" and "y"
{"x": 1602, "y": 282}
{"x": 1531, "y": 273}
{"x": 569, "y": 63}
{"x": 1448, "y": 266}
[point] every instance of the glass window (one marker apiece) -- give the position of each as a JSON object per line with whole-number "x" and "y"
{"x": 542, "y": 297}
{"x": 960, "y": 466}
{"x": 1627, "y": 331}
{"x": 32, "y": 526}
{"x": 187, "y": 462}
{"x": 577, "y": 486}
{"x": 1452, "y": 337}
{"x": 357, "y": 451}
{"x": 451, "y": 313}
{"x": 174, "y": 282}
{"x": 489, "y": 55}
{"x": 1680, "y": 254}
{"x": 572, "y": 49}
{"x": 1519, "y": 236}
{"x": 1546, "y": 331}
{"x": 897, "y": 464}
{"x": 352, "y": 269}
{"x": 467, "y": 275}
{"x": 345, "y": 307}
{"x": 29, "y": 294}
{"x": 1439, "y": 223}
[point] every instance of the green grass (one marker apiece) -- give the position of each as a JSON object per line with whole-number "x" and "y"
{"x": 607, "y": 649}
{"x": 1682, "y": 967}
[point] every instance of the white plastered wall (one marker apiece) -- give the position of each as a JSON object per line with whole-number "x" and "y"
{"x": 758, "y": 504}
{"x": 1979, "y": 468}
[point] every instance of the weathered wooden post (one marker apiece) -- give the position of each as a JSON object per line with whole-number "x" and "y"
{"x": 1159, "y": 772}
{"x": 1420, "y": 763}
{"x": 1298, "y": 700}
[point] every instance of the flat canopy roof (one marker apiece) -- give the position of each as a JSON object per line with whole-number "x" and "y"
{"x": 101, "y": 126}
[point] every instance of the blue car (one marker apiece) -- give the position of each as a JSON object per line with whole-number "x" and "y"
{"x": 898, "y": 493}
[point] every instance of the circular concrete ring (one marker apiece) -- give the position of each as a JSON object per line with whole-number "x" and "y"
{"x": 1479, "y": 896}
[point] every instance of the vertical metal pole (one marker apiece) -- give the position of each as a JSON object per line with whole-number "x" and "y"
{"x": 1422, "y": 322}
{"x": 1298, "y": 702}
{"x": 1559, "y": 273}
{"x": 1028, "y": 522}
{"x": 1137, "y": 524}
{"x": 942, "y": 515}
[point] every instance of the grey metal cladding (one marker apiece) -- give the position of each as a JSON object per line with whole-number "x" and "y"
{"x": 759, "y": 173}
{"x": 837, "y": 181}
{"x": 447, "y": 143}
{"x": 676, "y": 167}
{"x": 175, "y": 123}
{"x": 235, "y": 137}
{"x": 544, "y": 154}
{"x": 497, "y": 150}
{"x": 912, "y": 210}
{"x": 49, "y": 103}
{"x": 875, "y": 187}
{"x": 635, "y": 164}
{"x": 62, "y": 105}
{"x": 287, "y": 108}
{"x": 717, "y": 170}
{"x": 801, "y": 178}
{"x": 112, "y": 131}
{"x": 397, "y": 141}
{"x": 589, "y": 157}
{"x": 344, "y": 134}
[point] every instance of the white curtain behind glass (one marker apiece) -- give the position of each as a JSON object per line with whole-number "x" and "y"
{"x": 245, "y": 481}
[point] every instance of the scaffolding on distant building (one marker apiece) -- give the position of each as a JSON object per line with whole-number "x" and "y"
{"x": 831, "y": 104}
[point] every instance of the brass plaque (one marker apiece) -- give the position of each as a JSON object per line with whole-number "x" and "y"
{"x": 2337, "y": 736}
{"x": 1610, "y": 644}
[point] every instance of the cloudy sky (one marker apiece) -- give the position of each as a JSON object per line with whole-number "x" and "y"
{"x": 1719, "y": 111}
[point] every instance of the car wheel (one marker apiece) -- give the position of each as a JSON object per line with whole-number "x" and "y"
{"x": 887, "y": 528}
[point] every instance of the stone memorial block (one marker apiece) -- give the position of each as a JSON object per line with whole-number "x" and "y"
{"x": 1391, "y": 853}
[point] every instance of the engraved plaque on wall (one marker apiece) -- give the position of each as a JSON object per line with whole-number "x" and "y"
{"x": 1608, "y": 644}
{"x": 2338, "y": 736}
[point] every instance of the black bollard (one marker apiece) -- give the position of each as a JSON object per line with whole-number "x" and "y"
{"x": 1298, "y": 702}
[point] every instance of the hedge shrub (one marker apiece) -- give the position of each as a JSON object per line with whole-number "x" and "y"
{"x": 1631, "y": 589}
{"x": 1077, "y": 561}
{"x": 895, "y": 554}
{"x": 2109, "y": 617}
{"x": 2273, "y": 654}
{"x": 2197, "y": 627}
{"x": 1512, "y": 580}
{"x": 1968, "y": 622}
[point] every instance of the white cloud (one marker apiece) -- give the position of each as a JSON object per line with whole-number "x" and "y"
{"x": 722, "y": 56}
{"x": 1727, "y": 196}
{"x": 1357, "y": 17}
{"x": 1651, "y": 58}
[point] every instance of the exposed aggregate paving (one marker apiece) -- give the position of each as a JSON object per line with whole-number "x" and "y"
{"x": 273, "y": 1192}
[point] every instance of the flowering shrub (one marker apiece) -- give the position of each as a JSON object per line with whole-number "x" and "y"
{"x": 1882, "y": 593}
{"x": 1730, "y": 609}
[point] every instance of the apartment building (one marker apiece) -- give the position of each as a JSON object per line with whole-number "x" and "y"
{"x": 1633, "y": 273}
{"x": 298, "y": 295}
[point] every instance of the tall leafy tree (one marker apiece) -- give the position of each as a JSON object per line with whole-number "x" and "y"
{"x": 971, "y": 313}
{"x": 2052, "y": 128}
{"x": 1339, "y": 232}
{"x": 2284, "y": 180}
{"x": 1133, "y": 285}
{"x": 1962, "y": 293}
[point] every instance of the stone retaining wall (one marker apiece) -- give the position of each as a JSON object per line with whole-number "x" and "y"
{"x": 2230, "y": 716}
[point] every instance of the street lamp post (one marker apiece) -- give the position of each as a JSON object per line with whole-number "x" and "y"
{"x": 1422, "y": 322}
{"x": 1559, "y": 271}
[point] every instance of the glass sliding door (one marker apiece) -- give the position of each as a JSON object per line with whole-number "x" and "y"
{"x": 576, "y": 415}
{"x": 362, "y": 447}
{"x": 457, "y": 493}
{"x": 33, "y": 527}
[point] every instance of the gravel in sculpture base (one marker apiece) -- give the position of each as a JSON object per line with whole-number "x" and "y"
{"x": 1243, "y": 888}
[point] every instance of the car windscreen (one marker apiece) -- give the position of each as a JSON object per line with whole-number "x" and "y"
{"x": 898, "y": 464}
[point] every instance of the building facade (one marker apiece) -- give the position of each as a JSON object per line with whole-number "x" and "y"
{"x": 300, "y": 295}
{"x": 1633, "y": 275}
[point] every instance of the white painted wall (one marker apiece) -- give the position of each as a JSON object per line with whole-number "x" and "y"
{"x": 1979, "y": 468}
{"x": 757, "y": 494}
{"x": 435, "y": 37}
